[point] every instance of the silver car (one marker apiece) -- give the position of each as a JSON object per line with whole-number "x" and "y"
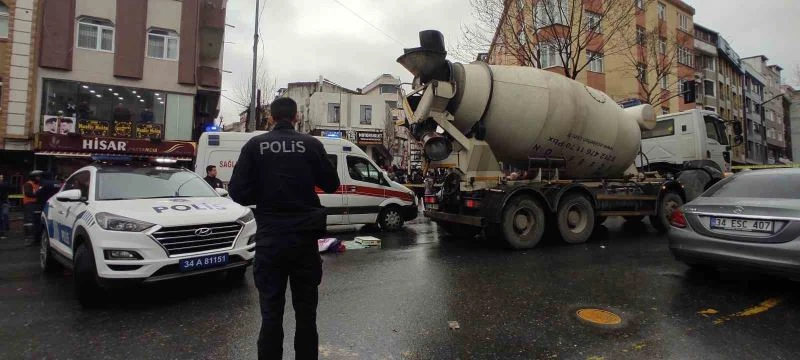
{"x": 750, "y": 220}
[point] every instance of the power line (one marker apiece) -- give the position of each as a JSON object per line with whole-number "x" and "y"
{"x": 233, "y": 101}
{"x": 369, "y": 23}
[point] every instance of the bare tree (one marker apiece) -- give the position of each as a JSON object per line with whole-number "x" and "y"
{"x": 242, "y": 91}
{"x": 652, "y": 60}
{"x": 568, "y": 34}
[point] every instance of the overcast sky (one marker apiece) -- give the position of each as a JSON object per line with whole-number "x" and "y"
{"x": 303, "y": 39}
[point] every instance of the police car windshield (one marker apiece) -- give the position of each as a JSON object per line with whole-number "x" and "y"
{"x": 150, "y": 183}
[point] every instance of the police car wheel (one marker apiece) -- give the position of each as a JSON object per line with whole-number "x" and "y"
{"x": 391, "y": 219}
{"x": 86, "y": 286}
{"x": 46, "y": 260}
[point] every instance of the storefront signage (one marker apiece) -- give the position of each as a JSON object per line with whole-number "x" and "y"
{"x": 93, "y": 128}
{"x": 123, "y": 129}
{"x": 58, "y": 124}
{"x": 90, "y": 144}
{"x": 148, "y": 131}
{"x": 369, "y": 138}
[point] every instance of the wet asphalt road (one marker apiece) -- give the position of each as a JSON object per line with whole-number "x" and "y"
{"x": 395, "y": 303}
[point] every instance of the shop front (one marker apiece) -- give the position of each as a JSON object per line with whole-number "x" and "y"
{"x": 373, "y": 144}
{"x": 63, "y": 154}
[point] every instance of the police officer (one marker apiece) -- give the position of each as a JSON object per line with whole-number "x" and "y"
{"x": 211, "y": 177}
{"x": 278, "y": 172}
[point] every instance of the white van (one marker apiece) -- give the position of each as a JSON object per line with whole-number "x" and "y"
{"x": 366, "y": 195}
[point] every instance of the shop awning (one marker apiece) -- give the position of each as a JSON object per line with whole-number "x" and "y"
{"x": 70, "y": 154}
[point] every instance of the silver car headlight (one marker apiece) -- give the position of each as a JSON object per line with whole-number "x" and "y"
{"x": 247, "y": 217}
{"x": 120, "y": 223}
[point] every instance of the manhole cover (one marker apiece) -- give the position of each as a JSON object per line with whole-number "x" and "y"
{"x": 599, "y": 317}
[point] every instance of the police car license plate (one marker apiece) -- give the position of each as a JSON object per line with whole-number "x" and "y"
{"x": 203, "y": 262}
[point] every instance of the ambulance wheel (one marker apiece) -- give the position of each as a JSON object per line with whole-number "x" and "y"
{"x": 46, "y": 260}
{"x": 523, "y": 223}
{"x": 87, "y": 287}
{"x": 575, "y": 219}
{"x": 390, "y": 219}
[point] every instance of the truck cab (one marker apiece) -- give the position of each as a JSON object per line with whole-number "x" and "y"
{"x": 689, "y": 136}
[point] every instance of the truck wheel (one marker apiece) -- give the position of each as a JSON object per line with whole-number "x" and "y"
{"x": 46, "y": 261}
{"x": 670, "y": 202}
{"x": 86, "y": 286}
{"x": 523, "y": 223}
{"x": 458, "y": 230}
{"x": 391, "y": 219}
{"x": 575, "y": 219}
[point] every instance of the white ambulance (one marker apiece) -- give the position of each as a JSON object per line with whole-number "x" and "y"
{"x": 366, "y": 195}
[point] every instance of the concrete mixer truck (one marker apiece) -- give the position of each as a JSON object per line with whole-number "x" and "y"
{"x": 573, "y": 146}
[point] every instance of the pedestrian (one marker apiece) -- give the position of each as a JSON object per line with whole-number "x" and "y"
{"x": 5, "y": 188}
{"x": 278, "y": 172}
{"x": 211, "y": 177}
{"x": 30, "y": 206}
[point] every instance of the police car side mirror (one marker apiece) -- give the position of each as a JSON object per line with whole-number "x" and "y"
{"x": 73, "y": 195}
{"x": 222, "y": 192}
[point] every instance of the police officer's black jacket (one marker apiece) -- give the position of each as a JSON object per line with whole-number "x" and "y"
{"x": 278, "y": 172}
{"x": 214, "y": 182}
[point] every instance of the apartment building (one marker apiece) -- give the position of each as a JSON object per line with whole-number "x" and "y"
{"x": 755, "y": 135}
{"x": 143, "y": 73}
{"x": 616, "y": 74}
{"x": 772, "y": 111}
{"x": 17, "y": 86}
{"x": 720, "y": 75}
{"x": 791, "y": 122}
{"x": 406, "y": 152}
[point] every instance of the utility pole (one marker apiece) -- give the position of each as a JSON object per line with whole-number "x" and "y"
{"x": 251, "y": 123}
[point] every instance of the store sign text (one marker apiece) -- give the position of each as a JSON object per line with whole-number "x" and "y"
{"x": 97, "y": 144}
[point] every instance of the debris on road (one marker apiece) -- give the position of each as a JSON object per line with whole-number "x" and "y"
{"x": 330, "y": 245}
{"x": 368, "y": 241}
{"x": 352, "y": 245}
{"x": 454, "y": 325}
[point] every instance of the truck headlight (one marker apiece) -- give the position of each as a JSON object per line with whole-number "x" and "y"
{"x": 247, "y": 217}
{"x": 120, "y": 223}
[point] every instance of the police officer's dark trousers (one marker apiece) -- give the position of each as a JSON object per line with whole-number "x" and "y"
{"x": 292, "y": 258}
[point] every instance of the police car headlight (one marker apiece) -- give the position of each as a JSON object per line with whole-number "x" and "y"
{"x": 248, "y": 217}
{"x": 120, "y": 223}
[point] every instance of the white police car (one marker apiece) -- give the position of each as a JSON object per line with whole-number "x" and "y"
{"x": 111, "y": 224}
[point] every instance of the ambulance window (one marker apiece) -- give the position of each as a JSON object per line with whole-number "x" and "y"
{"x": 360, "y": 169}
{"x": 79, "y": 181}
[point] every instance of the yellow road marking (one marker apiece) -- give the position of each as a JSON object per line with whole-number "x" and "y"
{"x": 707, "y": 312}
{"x": 755, "y": 310}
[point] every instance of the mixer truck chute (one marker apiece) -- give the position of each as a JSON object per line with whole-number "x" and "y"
{"x": 574, "y": 146}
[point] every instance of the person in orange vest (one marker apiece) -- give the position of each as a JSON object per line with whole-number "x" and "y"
{"x": 32, "y": 210}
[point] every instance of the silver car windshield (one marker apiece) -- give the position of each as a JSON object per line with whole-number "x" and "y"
{"x": 150, "y": 183}
{"x": 758, "y": 185}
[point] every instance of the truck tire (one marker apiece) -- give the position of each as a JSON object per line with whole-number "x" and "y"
{"x": 575, "y": 218}
{"x": 458, "y": 230}
{"x": 87, "y": 287}
{"x": 46, "y": 260}
{"x": 670, "y": 202}
{"x": 523, "y": 223}
{"x": 390, "y": 219}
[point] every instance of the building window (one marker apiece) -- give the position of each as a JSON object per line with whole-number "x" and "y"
{"x": 662, "y": 46}
{"x": 95, "y": 34}
{"x": 639, "y": 4}
{"x": 110, "y": 110}
{"x": 663, "y": 81}
{"x": 641, "y": 73}
{"x": 662, "y": 11}
{"x": 334, "y": 113}
{"x": 549, "y": 56}
{"x": 3, "y": 21}
{"x": 550, "y": 12}
{"x": 366, "y": 115}
{"x": 641, "y": 35}
{"x": 685, "y": 56}
{"x": 593, "y": 22}
{"x": 388, "y": 89}
{"x": 684, "y": 22}
{"x": 664, "y": 110}
{"x": 595, "y": 61}
{"x": 708, "y": 88}
{"x": 522, "y": 37}
{"x": 162, "y": 44}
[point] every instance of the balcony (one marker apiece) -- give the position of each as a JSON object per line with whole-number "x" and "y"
{"x": 709, "y": 74}
{"x": 212, "y": 14}
{"x": 700, "y": 45}
{"x": 209, "y": 77}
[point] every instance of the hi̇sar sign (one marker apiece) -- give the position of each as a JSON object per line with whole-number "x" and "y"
{"x": 99, "y": 144}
